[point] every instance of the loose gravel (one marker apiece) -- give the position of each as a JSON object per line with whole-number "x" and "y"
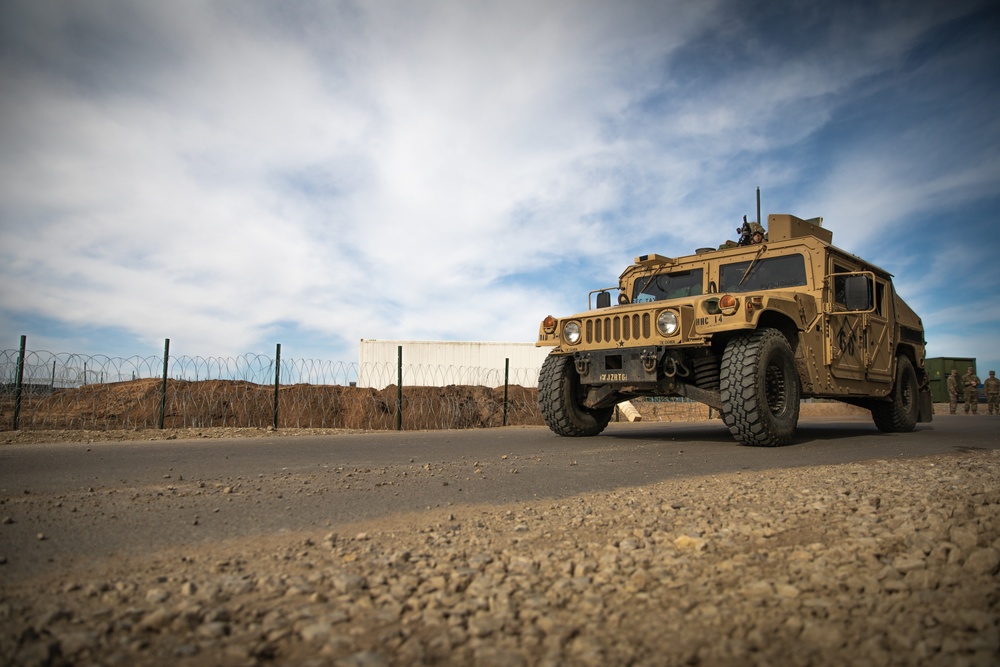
{"x": 876, "y": 563}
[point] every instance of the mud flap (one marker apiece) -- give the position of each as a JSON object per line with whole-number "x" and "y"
{"x": 925, "y": 408}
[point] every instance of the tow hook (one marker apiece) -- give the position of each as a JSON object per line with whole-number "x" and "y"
{"x": 649, "y": 360}
{"x": 674, "y": 367}
{"x": 582, "y": 364}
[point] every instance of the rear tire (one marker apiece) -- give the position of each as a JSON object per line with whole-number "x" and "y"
{"x": 559, "y": 399}
{"x": 900, "y": 414}
{"x": 760, "y": 389}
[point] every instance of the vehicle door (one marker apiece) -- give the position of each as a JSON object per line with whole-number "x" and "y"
{"x": 850, "y": 298}
{"x": 878, "y": 332}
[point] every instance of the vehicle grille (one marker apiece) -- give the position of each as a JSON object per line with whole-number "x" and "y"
{"x": 617, "y": 328}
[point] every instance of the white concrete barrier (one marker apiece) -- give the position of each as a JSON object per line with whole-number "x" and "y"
{"x": 629, "y": 411}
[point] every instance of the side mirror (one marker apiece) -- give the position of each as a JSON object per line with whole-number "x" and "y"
{"x": 603, "y": 299}
{"x": 857, "y": 293}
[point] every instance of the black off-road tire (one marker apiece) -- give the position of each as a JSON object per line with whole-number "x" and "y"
{"x": 559, "y": 398}
{"x": 900, "y": 414}
{"x": 760, "y": 389}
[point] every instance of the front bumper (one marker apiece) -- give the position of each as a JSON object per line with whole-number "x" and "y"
{"x": 626, "y": 366}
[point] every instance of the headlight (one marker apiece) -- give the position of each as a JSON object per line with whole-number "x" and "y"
{"x": 571, "y": 332}
{"x": 666, "y": 323}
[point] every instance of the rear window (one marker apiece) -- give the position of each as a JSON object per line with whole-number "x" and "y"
{"x": 766, "y": 273}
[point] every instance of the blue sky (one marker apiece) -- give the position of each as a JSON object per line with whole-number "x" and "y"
{"x": 236, "y": 175}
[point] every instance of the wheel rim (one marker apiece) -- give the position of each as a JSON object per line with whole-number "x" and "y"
{"x": 907, "y": 392}
{"x": 775, "y": 388}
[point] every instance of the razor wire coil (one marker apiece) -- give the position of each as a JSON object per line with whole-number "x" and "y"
{"x": 96, "y": 392}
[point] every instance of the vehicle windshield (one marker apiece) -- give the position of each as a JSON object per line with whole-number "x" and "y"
{"x": 668, "y": 286}
{"x": 765, "y": 274}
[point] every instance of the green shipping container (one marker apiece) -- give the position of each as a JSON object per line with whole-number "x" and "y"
{"x": 939, "y": 368}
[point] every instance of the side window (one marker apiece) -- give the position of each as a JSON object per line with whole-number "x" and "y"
{"x": 880, "y": 298}
{"x": 840, "y": 285}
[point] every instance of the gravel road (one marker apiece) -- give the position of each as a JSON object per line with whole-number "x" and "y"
{"x": 880, "y": 563}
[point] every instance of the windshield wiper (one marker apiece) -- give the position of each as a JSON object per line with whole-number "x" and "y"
{"x": 646, "y": 286}
{"x": 752, "y": 263}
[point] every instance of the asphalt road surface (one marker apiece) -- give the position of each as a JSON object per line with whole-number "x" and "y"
{"x": 63, "y": 504}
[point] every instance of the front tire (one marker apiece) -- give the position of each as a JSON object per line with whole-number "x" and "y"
{"x": 900, "y": 414}
{"x": 559, "y": 399}
{"x": 760, "y": 389}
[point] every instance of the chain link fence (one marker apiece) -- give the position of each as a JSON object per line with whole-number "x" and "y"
{"x": 44, "y": 390}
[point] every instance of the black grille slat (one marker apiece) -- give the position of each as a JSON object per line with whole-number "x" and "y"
{"x": 617, "y": 328}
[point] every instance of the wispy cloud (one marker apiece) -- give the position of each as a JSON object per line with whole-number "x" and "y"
{"x": 229, "y": 174}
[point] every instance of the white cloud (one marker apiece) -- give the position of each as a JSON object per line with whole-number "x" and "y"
{"x": 393, "y": 170}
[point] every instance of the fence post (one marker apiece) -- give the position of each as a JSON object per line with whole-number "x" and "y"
{"x": 506, "y": 377}
{"x": 277, "y": 381}
{"x": 163, "y": 387}
{"x": 19, "y": 381}
{"x": 399, "y": 388}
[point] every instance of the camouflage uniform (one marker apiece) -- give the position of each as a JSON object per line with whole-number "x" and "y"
{"x": 971, "y": 383}
{"x": 992, "y": 388}
{"x": 759, "y": 236}
{"x": 953, "y": 392}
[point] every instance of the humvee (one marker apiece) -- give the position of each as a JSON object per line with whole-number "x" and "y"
{"x": 749, "y": 330}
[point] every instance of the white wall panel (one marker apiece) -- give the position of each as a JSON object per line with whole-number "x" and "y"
{"x": 442, "y": 363}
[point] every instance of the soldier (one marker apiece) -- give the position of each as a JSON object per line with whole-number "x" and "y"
{"x": 992, "y": 388}
{"x": 952, "y": 392}
{"x": 971, "y": 383}
{"x": 751, "y": 233}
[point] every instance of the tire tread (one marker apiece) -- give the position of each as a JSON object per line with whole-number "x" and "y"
{"x": 555, "y": 401}
{"x": 747, "y": 416}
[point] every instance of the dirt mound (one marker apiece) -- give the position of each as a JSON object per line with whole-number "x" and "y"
{"x": 138, "y": 404}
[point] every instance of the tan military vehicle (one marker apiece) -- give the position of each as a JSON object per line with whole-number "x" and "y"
{"x": 749, "y": 329}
